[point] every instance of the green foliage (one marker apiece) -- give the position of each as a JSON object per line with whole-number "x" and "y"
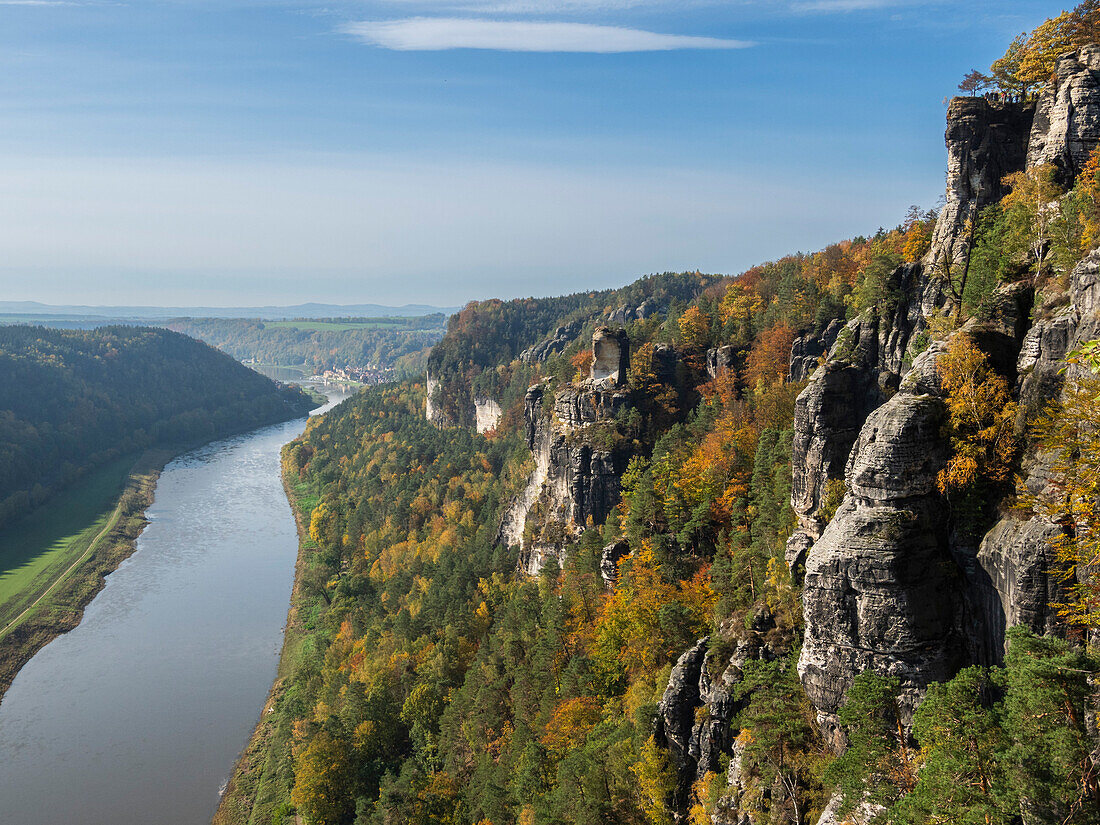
{"x": 319, "y": 345}
{"x": 72, "y": 400}
{"x": 782, "y": 751}
{"x": 878, "y": 766}
{"x": 1001, "y": 741}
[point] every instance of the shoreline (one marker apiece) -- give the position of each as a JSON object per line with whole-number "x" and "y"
{"x": 239, "y": 798}
{"x": 74, "y": 590}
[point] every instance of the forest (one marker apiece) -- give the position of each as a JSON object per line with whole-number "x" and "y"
{"x": 72, "y": 400}
{"x": 398, "y": 343}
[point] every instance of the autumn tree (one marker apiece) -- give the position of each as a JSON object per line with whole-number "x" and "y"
{"x": 1069, "y": 435}
{"x": 981, "y": 416}
{"x": 324, "y": 785}
{"x": 1031, "y": 58}
{"x": 770, "y": 357}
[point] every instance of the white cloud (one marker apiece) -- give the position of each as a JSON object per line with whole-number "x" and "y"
{"x": 437, "y": 33}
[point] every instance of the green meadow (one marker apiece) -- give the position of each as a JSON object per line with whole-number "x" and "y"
{"x": 37, "y": 550}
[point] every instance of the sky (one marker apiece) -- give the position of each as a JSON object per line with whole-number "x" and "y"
{"x": 258, "y": 152}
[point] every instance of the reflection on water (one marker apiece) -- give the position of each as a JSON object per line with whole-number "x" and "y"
{"x": 288, "y": 374}
{"x": 138, "y": 714}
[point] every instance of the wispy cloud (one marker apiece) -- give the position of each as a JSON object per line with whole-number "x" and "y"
{"x": 841, "y": 6}
{"x": 36, "y": 3}
{"x": 439, "y": 33}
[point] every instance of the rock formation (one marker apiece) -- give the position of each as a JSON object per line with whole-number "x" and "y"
{"x": 610, "y": 357}
{"x": 487, "y": 413}
{"x": 1067, "y": 120}
{"x": 575, "y": 481}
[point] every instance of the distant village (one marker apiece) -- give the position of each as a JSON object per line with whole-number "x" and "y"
{"x": 355, "y": 375}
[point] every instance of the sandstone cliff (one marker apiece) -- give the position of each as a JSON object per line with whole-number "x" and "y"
{"x": 887, "y": 584}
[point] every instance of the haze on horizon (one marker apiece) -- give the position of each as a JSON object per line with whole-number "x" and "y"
{"x": 265, "y": 152}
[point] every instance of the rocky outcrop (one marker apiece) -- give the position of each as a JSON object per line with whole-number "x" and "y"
{"x": 575, "y": 481}
{"x": 879, "y": 582}
{"x": 624, "y": 314}
{"x": 609, "y": 561}
{"x": 610, "y": 357}
{"x": 696, "y": 718}
{"x": 1010, "y": 579}
{"x": 1066, "y": 129}
{"x": 563, "y": 336}
{"x": 487, "y": 414}
{"x": 431, "y": 408}
{"x": 808, "y": 350}
{"x": 676, "y": 717}
{"x": 986, "y": 141}
{"x": 719, "y": 360}
{"x": 881, "y": 587}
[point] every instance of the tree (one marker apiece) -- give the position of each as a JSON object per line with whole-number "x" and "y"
{"x": 1056, "y": 771}
{"x": 1069, "y": 435}
{"x": 974, "y": 82}
{"x": 965, "y": 777}
{"x": 980, "y": 427}
{"x": 780, "y": 744}
{"x": 878, "y": 765}
{"x": 1005, "y": 71}
{"x": 324, "y": 782}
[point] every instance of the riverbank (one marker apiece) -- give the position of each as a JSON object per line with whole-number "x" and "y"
{"x": 262, "y": 775}
{"x": 59, "y": 606}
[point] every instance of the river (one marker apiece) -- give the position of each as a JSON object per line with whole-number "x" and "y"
{"x": 137, "y": 716}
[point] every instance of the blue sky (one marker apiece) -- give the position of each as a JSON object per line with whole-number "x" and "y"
{"x": 243, "y": 152}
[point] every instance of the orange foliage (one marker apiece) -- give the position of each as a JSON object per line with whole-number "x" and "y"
{"x": 569, "y": 724}
{"x": 583, "y": 362}
{"x": 770, "y": 357}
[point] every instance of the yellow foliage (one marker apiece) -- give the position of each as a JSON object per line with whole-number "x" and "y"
{"x": 981, "y": 417}
{"x": 655, "y": 783}
{"x": 1069, "y": 432}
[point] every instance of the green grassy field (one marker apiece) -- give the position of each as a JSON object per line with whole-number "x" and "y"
{"x": 330, "y": 326}
{"x": 36, "y": 550}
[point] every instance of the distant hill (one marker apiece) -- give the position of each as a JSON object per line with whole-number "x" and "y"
{"x": 73, "y": 312}
{"x": 400, "y": 344}
{"x": 72, "y": 400}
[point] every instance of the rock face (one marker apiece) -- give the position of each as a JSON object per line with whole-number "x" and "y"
{"x": 624, "y": 314}
{"x": 809, "y": 349}
{"x": 610, "y": 357}
{"x": 431, "y": 409}
{"x": 696, "y": 719}
{"x": 575, "y": 481}
{"x": 1010, "y": 582}
{"x": 877, "y": 592}
{"x": 1067, "y": 121}
{"x": 886, "y": 586}
{"x": 985, "y": 142}
{"x": 719, "y": 360}
{"x": 551, "y": 346}
{"x": 487, "y": 413}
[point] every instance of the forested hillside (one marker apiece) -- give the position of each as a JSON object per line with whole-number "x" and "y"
{"x": 381, "y": 343}
{"x": 73, "y": 400}
{"x": 816, "y": 543}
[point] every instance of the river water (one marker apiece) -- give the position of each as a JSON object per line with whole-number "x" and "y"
{"x": 137, "y": 716}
